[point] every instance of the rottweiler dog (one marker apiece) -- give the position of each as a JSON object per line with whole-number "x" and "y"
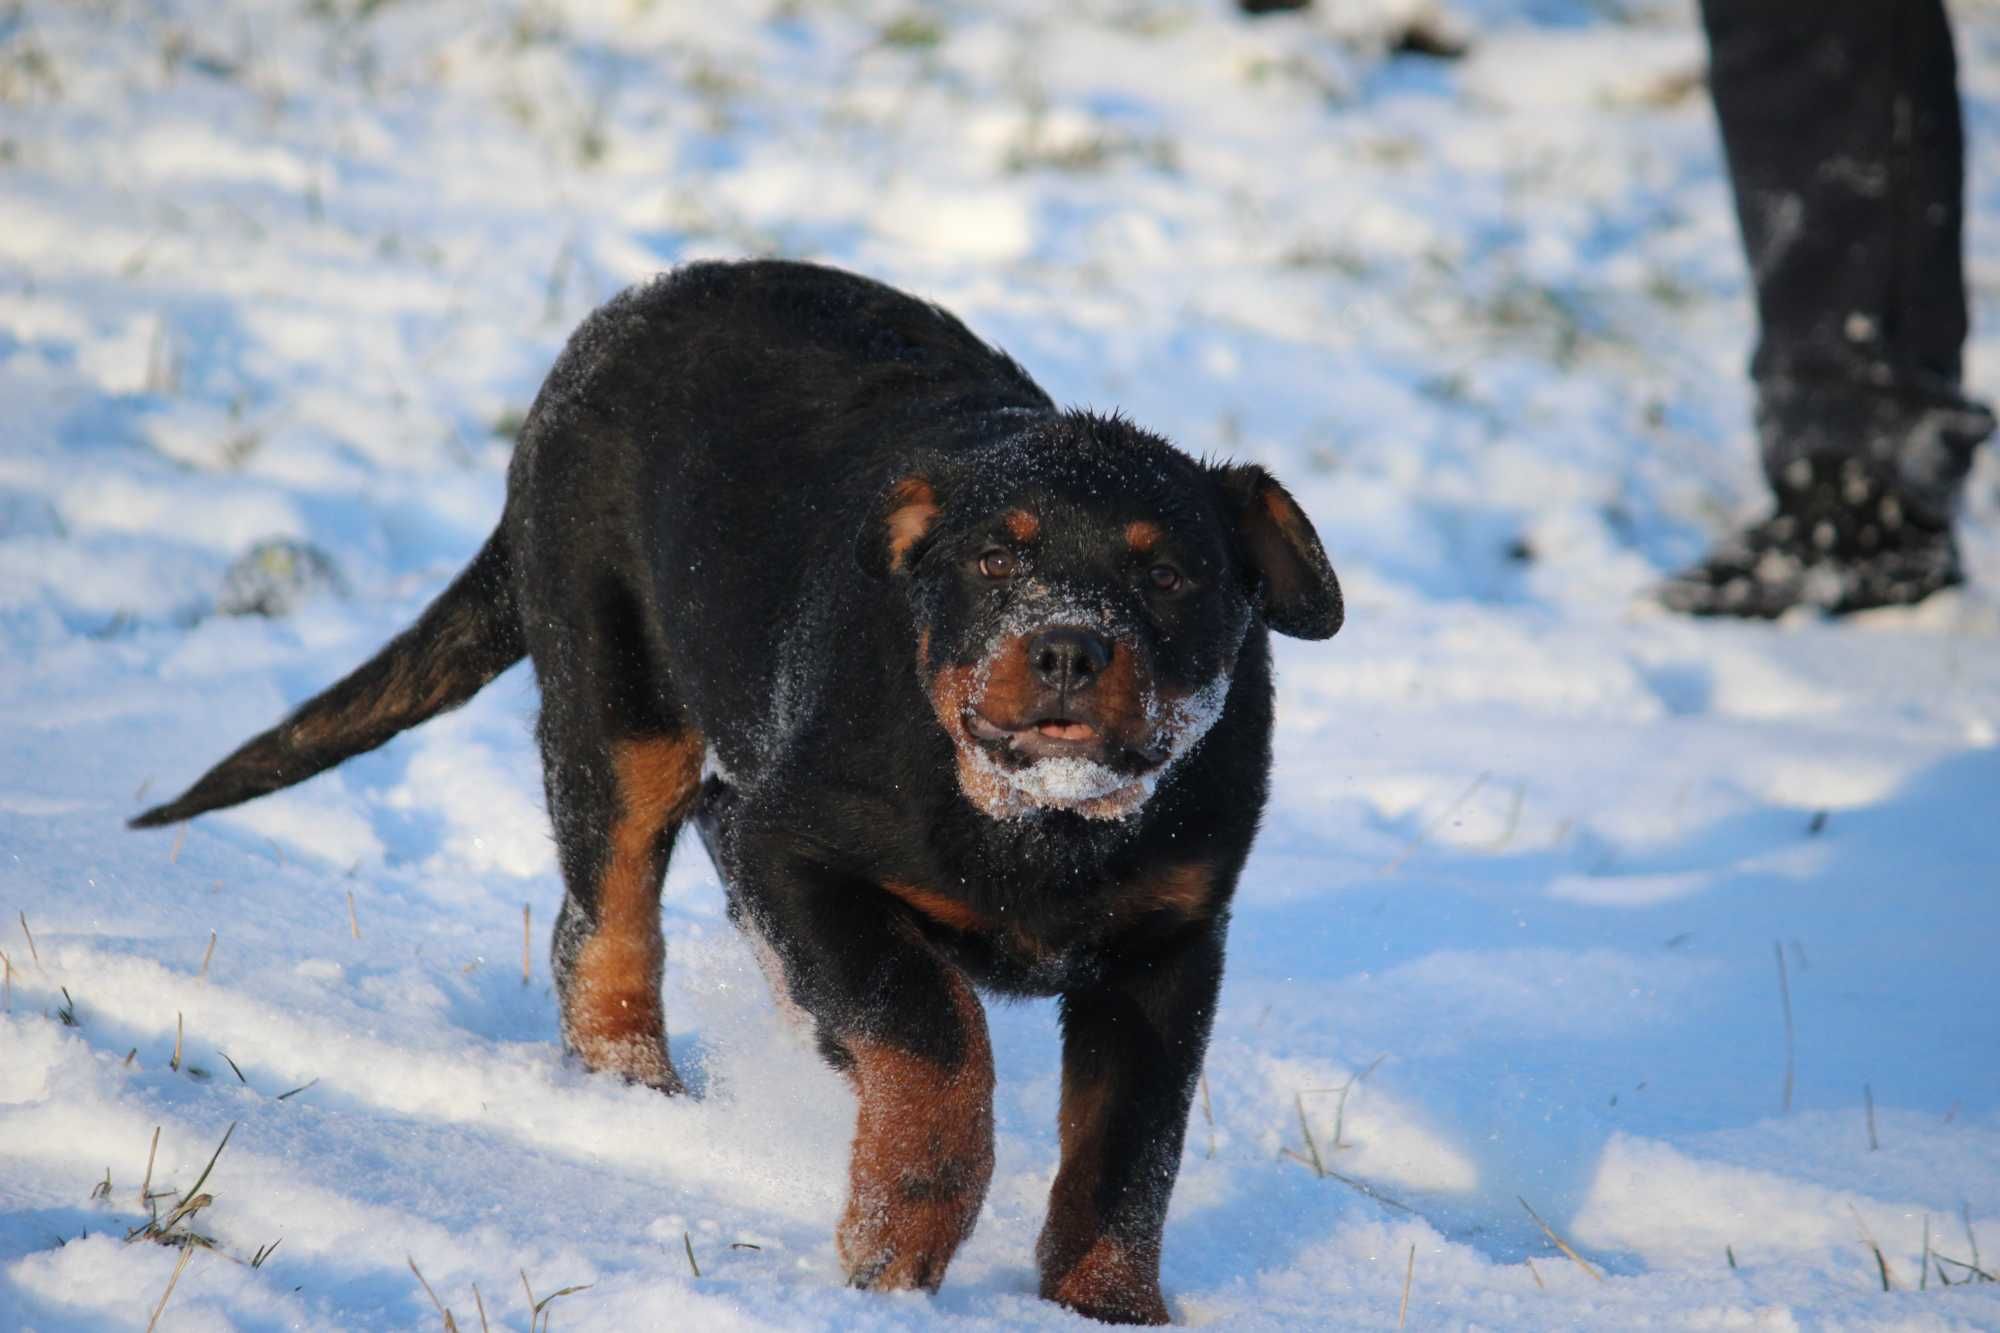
{"x": 960, "y": 690}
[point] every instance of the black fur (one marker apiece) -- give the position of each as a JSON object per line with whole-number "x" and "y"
{"x": 752, "y": 510}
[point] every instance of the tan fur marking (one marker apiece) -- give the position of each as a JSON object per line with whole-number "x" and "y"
{"x": 612, "y": 1014}
{"x": 1143, "y": 536}
{"x": 913, "y": 508}
{"x": 1276, "y": 546}
{"x": 944, "y": 910}
{"x": 951, "y": 694}
{"x": 1072, "y": 1219}
{"x": 1186, "y": 890}
{"x": 1121, "y": 695}
{"x": 923, "y": 1154}
{"x": 1021, "y": 525}
{"x": 1285, "y": 512}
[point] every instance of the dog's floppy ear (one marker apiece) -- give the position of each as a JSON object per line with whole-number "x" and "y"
{"x": 899, "y": 519}
{"x": 1292, "y": 582}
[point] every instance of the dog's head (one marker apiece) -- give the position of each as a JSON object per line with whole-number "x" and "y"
{"x": 1080, "y": 593}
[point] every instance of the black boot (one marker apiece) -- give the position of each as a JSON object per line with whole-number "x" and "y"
{"x": 1865, "y": 488}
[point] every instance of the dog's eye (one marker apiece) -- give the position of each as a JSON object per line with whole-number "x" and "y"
{"x": 1165, "y": 577}
{"x": 998, "y": 563}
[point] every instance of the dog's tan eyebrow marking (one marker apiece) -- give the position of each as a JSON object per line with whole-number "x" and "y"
{"x": 1021, "y": 525}
{"x": 1142, "y": 535}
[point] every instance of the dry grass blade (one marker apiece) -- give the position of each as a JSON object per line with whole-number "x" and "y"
{"x": 1881, "y": 1260}
{"x": 688, "y": 1245}
{"x": 1362, "y": 1187}
{"x": 542, "y": 1308}
{"x": 233, "y": 1069}
{"x": 1536, "y": 1274}
{"x": 1868, "y": 1098}
{"x": 202, "y": 1179}
{"x": 102, "y": 1189}
{"x": 7, "y": 985}
{"x": 1560, "y": 1243}
{"x": 1729, "y": 1253}
{"x": 1972, "y": 1241}
{"x": 1424, "y": 834}
{"x": 353, "y": 919}
{"x": 264, "y": 1252}
{"x": 527, "y": 944}
{"x": 450, "y": 1324}
{"x": 207, "y": 953}
{"x": 538, "y": 1316}
{"x": 146, "y": 1185}
{"x": 183, "y": 1211}
{"x": 187, "y": 1253}
{"x": 33, "y": 952}
{"x": 1977, "y": 1273}
{"x": 175, "y": 1063}
{"x": 1512, "y": 824}
{"x": 1785, "y": 998}
{"x": 1319, "y": 1167}
{"x": 1409, "y": 1271}
{"x": 1340, "y": 1107}
{"x": 484, "y": 1327}
{"x": 1208, "y": 1113}
{"x": 67, "y": 1013}
{"x": 180, "y": 841}
{"x": 299, "y": 1089}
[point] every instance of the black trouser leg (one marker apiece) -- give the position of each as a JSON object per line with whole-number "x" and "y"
{"x": 1840, "y": 120}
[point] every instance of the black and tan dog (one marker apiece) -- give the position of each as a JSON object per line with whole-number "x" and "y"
{"x": 960, "y": 690}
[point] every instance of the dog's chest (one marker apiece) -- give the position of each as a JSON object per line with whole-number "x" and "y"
{"x": 1020, "y": 961}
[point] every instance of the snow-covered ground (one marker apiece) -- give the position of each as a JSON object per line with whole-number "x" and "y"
{"x": 1541, "y": 858}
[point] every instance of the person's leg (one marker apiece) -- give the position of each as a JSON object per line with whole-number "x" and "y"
{"x": 1840, "y": 121}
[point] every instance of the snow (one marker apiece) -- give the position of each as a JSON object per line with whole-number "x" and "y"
{"x": 1536, "y": 850}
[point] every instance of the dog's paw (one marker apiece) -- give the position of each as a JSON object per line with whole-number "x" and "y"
{"x": 666, "y": 1082}
{"x": 640, "y": 1060}
{"x": 1109, "y": 1284}
{"x": 908, "y": 1245}
{"x": 1136, "y": 1307}
{"x": 919, "y": 1271}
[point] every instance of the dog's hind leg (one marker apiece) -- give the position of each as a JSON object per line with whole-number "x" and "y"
{"x": 622, "y": 769}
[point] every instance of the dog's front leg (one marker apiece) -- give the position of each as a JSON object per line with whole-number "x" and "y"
{"x": 907, "y": 1029}
{"x": 1132, "y": 1051}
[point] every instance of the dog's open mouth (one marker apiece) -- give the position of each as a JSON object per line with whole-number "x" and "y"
{"x": 1044, "y": 738}
{"x": 1057, "y": 737}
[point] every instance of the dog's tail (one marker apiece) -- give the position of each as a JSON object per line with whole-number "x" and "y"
{"x": 465, "y": 638}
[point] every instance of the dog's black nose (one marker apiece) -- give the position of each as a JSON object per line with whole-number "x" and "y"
{"x": 1069, "y": 659}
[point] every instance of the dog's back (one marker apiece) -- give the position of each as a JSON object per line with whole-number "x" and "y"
{"x": 704, "y": 453}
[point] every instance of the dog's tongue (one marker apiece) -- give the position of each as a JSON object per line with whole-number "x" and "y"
{"x": 1066, "y": 731}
